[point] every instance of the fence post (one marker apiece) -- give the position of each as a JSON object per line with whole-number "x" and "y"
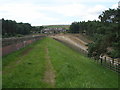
{"x": 101, "y": 61}
{"x": 113, "y": 63}
{"x": 105, "y": 61}
{"x": 118, "y": 67}
{"x": 110, "y": 64}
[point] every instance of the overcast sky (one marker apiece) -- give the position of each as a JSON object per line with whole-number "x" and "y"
{"x": 49, "y": 12}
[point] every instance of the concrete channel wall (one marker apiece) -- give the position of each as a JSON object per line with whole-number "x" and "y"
{"x": 12, "y": 44}
{"x": 72, "y": 46}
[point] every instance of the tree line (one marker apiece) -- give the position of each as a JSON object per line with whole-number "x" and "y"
{"x": 105, "y": 33}
{"x": 12, "y": 28}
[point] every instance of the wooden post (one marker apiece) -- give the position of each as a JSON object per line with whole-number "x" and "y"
{"x": 118, "y": 67}
{"x": 101, "y": 61}
{"x": 113, "y": 63}
{"x": 105, "y": 61}
{"x": 110, "y": 64}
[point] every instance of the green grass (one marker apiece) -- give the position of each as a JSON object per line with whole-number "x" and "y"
{"x": 72, "y": 69}
{"x": 28, "y": 73}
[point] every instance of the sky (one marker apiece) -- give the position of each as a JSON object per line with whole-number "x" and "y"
{"x": 54, "y": 12}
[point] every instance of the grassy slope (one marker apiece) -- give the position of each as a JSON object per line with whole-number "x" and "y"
{"x": 71, "y": 68}
{"x": 75, "y": 70}
{"x": 30, "y": 69}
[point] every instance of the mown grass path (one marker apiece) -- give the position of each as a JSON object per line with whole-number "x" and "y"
{"x": 49, "y": 76}
{"x": 48, "y": 63}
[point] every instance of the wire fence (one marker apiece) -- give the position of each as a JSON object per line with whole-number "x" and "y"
{"x": 111, "y": 63}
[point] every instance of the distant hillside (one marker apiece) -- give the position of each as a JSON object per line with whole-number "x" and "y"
{"x": 58, "y": 26}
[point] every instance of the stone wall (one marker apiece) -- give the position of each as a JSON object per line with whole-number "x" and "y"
{"x": 12, "y": 44}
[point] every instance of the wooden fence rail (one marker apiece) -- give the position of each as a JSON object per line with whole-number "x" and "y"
{"x": 113, "y": 64}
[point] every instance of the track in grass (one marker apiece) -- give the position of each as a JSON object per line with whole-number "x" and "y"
{"x": 66, "y": 67}
{"x": 49, "y": 76}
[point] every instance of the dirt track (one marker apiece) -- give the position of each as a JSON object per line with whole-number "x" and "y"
{"x": 49, "y": 75}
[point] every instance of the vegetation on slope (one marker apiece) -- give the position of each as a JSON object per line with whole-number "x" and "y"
{"x": 25, "y": 68}
{"x": 105, "y": 33}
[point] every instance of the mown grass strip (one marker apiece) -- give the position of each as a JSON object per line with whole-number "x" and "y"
{"x": 28, "y": 73}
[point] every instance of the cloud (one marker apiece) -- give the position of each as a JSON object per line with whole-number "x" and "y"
{"x": 93, "y": 12}
{"x": 38, "y": 12}
{"x": 83, "y": 1}
{"x": 68, "y": 10}
{"x": 79, "y": 10}
{"x": 114, "y": 6}
{"x": 23, "y": 12}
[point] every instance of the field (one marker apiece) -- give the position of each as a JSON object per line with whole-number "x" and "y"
{"x": 50, "y": 64}
{"x": 58, "y": 26}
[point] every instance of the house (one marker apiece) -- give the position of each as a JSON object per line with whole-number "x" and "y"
{"x": 53, "y": 30}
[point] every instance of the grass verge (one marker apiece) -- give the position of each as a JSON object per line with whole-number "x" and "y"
{"x": 25, "y": 71}
{"x": 73, "y": 70}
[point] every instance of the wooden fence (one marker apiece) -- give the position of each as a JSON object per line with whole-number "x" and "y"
{"x": 111, "y": 63}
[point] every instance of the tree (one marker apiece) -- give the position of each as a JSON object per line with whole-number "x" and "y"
{"x": 74, "y": 28}
{"x": 105, "y": 33}
{"x": 12, "y": 28}
{"x": 109, "y": 16}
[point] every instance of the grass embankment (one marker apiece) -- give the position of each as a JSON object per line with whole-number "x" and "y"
{"x": 26, "y": 68}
